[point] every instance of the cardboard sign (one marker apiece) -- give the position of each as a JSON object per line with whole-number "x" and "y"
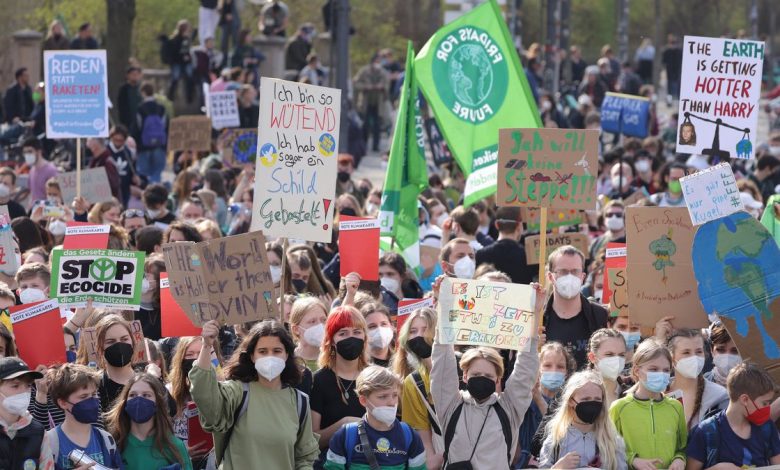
{"x": 625, "y": 114}
{"x": 239, "y": 146}
{"x": 111, "y": 278}
{"x": 76, "y": 94}
{"x": 81, "y": 236}
{"x": 297, "y": 148}
{"x": 555, "y": 218}
{"x": 88, "y": 336}
{"x": 359, "y": 247}
{"x": 615, "y": 257}
{"x": 189, "y": 133}
{"x": 482, "y": 313}
{"x": 547, "y": 168}
{"x": 139, "y": 342}
{"x": 711, "y": 194}
{"x": 737, "y": 267}
{"x": 38, "y": 333}
{"x": 94, "y": 185}
{"x": 173, "y": 321}
{"x": 719, "y": 97}
{"x": 660, "y": 241}
{"x": 578, "y": 240}
{"x": 618, "y": 286}
{"x": 8, "y": 261}
{"x": 225, "y": 279}
{"x": 407, "y": 306}
{"x": 222, "y": 108}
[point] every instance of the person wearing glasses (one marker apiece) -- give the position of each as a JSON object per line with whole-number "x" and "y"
{"x": 134, "y": 219}
{"x": 569, "y": 317}
{"x": 613, "y": 219}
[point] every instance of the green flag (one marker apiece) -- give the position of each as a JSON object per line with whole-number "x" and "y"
{"x": 406, "y": 174}
{"x": 471, "y": 76}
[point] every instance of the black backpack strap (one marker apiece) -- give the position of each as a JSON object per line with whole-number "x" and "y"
{"x": 503, "y": 418}
{"x": 418, "y": 381}
{"x": 238, "y": 413}
{"x": 450, "y": 431}
{"x": 302, "y": 403}
{"x": 367, "y": 450}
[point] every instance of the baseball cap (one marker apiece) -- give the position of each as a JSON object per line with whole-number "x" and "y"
{"x": 13, "y": 367}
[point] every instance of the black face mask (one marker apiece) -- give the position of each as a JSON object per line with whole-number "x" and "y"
{"x": 119, "y": 354}
{"x": 481, "y": 387}
{"x": 348, "y": 211}
{"x": 186, "y": 365}
{"x": 588, "y": 411}
{"x": 420, "y": 347}
{"x": 350, "y": 348}
{"x": 343, "y": 176}
{"x": 299, "y": 285}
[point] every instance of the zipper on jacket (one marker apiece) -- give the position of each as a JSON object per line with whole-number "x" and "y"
{"x": 652, "y": 415}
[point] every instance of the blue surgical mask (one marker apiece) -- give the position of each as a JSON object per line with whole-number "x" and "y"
{"x": 631, "y": 339}
{"x": 656, "y": 382}
{"x": 552, "y": 380}
{"x": 70, "y": 356}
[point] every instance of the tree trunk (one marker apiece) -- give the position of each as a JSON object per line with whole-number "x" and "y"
{"x": 121, "y": 14}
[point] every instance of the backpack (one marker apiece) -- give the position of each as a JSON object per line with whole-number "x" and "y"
{"x": 153, "y": 131}
{"x": 352, "y": 437}
{"x": 107, "y": 444}
{"x": 503, "y": 418}
{"x": 712, "y": 439}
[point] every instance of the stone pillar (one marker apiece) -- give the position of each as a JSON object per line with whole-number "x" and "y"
{"x": 272, "y": 48}
{"x": 26, "y": 52}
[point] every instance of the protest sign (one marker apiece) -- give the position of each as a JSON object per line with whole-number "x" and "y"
{"x": 615, "y": 257}
{"x": 625, "y": 114}
{"x": 295, "y": 176}
{"x": 111, "y": 278}
{"x": 618, "y": 286}
{"x": 9, "y": 263}
{"x": 225, "y": 279}
{"x": 407, "y": 306}
{"x": 76, "y": 94}
{"x": 737, "y": 266}
{"x": 239, "y": 146}
{"x": 555, "y": 218}
{"x": 659, "y": 247}
{"x": 189, "y": 133}
{"x": 483, "y": 313}
{"x": 441, "y": 154}
{"x": 359, "y": 247}
{"x": 222, "y": 108}
{"x": 578, "y": 240}
{"x": 88, "y": 336}
{"x": 173, "y": 321}
{"x": 85, "y": 236}
{"x": 719, "y": 97}
{"x": 38, "y": 333}
{"x": 139, "y": 342}
{"x": 94, "y": 185}
{"x": 711, "y": 194}
{"x": 547, "y": 168}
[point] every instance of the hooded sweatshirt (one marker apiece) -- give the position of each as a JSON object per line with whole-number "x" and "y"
{"x": 769, "y": 220}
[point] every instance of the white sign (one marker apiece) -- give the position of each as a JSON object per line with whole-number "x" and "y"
{"x": 711, "y": 194}
{"x": 719, "y": 96}
{"x": 297, "y": 148}
{"x": 222, "y": 108}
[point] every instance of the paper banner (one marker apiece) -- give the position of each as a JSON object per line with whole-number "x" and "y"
{"x": 189, "y": 133}
{"x": 225, "y": 279}
{"x": 555, "y": 218}
{"x": 76, "y": 94}
{"x": 719, "y": 97}
{"x": 38, "y": 333}
{"x": 737, "y": 266}
{"x": 407, "y": 306}
{"x": 111, "y": 278}
{"x": 174, "y": 322}
{"x": 660, "y": 241}
{"x": 625, "y": 114}
{"x": 578, "y": 240}
{"x": 222, "y": 108}
{"x": 359, "y": 247}
{"x": 94, "y": 185}
{"x": 8, "y": 262}
{"x": 711, "y": 194}
{"x": 615, "y": 257}
{"x": 494, "y": 314}
{"x": 85, "y": 236}
{"x": 239, "y": 146}
{"x": 295, "y": 176}
{"x": 547, "y": 168}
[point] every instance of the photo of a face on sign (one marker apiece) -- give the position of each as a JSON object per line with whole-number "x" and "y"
{"x": 687, "y": 134}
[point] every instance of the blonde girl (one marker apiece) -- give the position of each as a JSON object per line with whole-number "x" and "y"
{"x": 607, "y": 356}
{"x": 307, "y": 325}
{"x": 580, "y": 433}
{"x": 653, "y": 426}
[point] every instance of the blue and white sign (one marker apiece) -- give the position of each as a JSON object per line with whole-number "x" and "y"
{"x": 76, "y": 94}
{"x": 625, "y": 114}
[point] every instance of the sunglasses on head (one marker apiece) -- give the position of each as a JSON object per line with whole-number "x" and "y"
{"x": 132, "y": 213}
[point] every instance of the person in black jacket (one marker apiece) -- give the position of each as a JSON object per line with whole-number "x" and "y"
{"x": 181, "y": 60}
{"x": 84, "y": 40}
{"x": 18, "y": 103}
{"x": 21, "y": 437}
{"x": 299, "y": 48}
{"x": 129, "y": 97}
{"x": 507, "y": 254}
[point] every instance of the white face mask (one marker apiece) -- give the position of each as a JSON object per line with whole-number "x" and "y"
{"x": 690, "y": 367}
{"x": 17, "y": 404}
{"x": 371, "y": 207}
{"x": 464, "y": 268}
{"x": 4, "y": 190}
{"x": 616, "y": 182}
{"x": 598, "y": 294}
{"x": 389, "y": 284}
{"x": 30, "y": 158}
{"x": 276, "y": 273}
{"x": 145, "y": 286}
{"x": 611, "y": 367}
{"x": 270, "y": 367}
{"x": 441, "y": 219}
{"x": 30, "y": 295}
{"x": 643, "y": 166}
{"x": 153, "y": 213}
{"x": 725, "y": 362}
{"x": 568, "y": 286}
{"x": 314, "y": 335}
{"x": 384, "y": 414}
{"x": 614, "y": 224}
{"x": 57, "y": 227}
{"x": 379, "y": 338}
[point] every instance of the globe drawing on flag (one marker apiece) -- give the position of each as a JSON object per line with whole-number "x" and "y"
{"x": 471, "y": 74}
